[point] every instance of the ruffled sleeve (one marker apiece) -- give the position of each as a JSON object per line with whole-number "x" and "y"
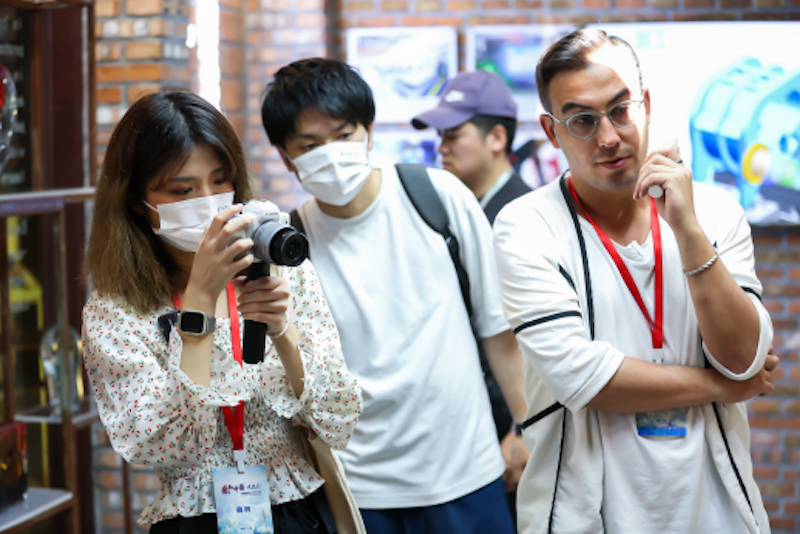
{"x": 153, "y": 413}
{"x": 331, "y": 400}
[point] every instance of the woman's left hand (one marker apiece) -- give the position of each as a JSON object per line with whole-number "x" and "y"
{"x": 265, "y": 300}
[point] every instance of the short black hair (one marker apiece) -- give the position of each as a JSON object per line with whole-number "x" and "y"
{"x": 485, "y": 123}
{"x": 327, "y": 85}
{"x": 572, "y": 52}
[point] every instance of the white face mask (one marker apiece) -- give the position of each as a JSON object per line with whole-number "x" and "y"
{"x": 334, "y": 173}
{"x": 183, "y": 223}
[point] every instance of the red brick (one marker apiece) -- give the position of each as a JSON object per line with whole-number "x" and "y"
{"x": 146, "y": 482}
{"x": 792, "y": 507}
{"x": 460, "y": 5}
{"x": 793, "y": 407}
{"x": 781, "y": 290}
{"x": 764, "y": 15}
{"x": 726, "y": 4}
{"x": 782, "y": 523}
{"x": 232, "y": 95}
{"x": 103, "y": 136}
{"x": 366, "y": 22}
{"x": 231, "y": 60}
{"x": 766, "y": 240}
{"x": 686, "y": 17}
{"x": 764, "y": 406}
{"x": 107, "y": 51}
{"x": 794, "y": 274}
{"x": 110, "y": 479}
{"x": 135, "y": 92}
{"x": 596, "y": 4}
{"x": 359, "y": 6}
{"x": 237, "y": 4}
{"x": 766, "y": 472}
{"x": 309, "y": 20}
{"x": 394, "y": 5}
{"x": 136, "y": 72}
{"x": 432, "y": 21}
{"x": 111, "y": 520}
{"x": 764, "y": 438}
{"x": 793, "y": 239}
{"x": 771, "y": 506}
{"x": 792, "y": 442}
{"x": 784, "y": 324}
{"x": 529, "y": 4}
{"x": 231, "y": 27}
{"x": 428, "y": 5}
{"x": 768, "y": 274}
{"x": 568, "y": 4}
{"x": 144, "y": 50}
{"x": 106, "y": 8}
{"x": 495, "y": 4}
{"x": 144, "y": 7}
{"x": 578, "y": 20}
{"x": 664, "y": 4}
{"x": 698, "y": 4}
{"x": 499, "y": 19}
{"x": 109, "y": 95}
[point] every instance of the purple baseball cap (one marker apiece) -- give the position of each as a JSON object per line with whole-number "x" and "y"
{"x": 469, "y": 94}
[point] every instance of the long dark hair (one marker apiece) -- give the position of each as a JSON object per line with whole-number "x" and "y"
{"x": 153, "y": 140}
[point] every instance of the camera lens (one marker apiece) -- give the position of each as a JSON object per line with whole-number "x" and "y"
{"x": 288, "y": 247}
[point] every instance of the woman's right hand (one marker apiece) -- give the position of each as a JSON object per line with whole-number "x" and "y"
{"x": 215, "y": 262}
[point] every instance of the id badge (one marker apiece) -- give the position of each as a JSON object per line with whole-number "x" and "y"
{"x": 662, "y": 423}
{"x": 242, "y": 500}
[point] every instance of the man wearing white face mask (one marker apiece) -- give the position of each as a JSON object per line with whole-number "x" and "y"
{"x": 424, "y": 457}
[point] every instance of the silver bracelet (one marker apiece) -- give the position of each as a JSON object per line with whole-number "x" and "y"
{"x": 283, "y": 331}
{"x": 705, "y": 266}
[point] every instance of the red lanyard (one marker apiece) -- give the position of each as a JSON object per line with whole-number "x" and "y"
{"x": 657, "y": 325}
{"x": 234, "y": 417}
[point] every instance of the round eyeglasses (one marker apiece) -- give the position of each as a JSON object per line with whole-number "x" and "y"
{"x": 584, "y": 124}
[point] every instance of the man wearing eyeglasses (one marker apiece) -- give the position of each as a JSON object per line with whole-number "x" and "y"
{"x": 633, "y": 295}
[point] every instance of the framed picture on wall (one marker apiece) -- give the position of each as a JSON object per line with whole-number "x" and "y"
{"x": 406, "y": 68}
{"x": 513, "y": 51}
{"x": 730, "y": 97}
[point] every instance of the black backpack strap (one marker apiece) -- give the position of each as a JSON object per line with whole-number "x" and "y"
{"x": 425, "y": 199}
{"x": 296, "y": 221}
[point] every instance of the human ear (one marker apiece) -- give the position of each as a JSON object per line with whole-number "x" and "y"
{"x": 548, "y": 125}
{"x": 497, "y": 139}
{"x": 647, "y": 104}
{"x": 371, "y": 138}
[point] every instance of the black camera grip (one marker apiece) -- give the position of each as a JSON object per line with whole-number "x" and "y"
{"x": 255, "y": 332}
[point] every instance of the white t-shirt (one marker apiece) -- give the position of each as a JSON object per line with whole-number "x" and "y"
{"x": 644, "y": 484}
{"x": 670, "y": 479}
{"x": 426, "y": 434}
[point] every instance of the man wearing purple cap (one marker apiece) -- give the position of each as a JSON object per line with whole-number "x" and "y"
{"x": 477, "y": 119}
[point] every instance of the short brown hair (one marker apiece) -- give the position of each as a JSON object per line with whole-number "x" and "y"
{"x": 154, "y": 139}
{"x": 572, "y": 52}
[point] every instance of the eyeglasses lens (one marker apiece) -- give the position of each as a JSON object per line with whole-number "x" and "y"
{"x": 583, "y": 125}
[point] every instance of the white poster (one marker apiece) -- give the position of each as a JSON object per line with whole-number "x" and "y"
{"x": 407, "y": 68}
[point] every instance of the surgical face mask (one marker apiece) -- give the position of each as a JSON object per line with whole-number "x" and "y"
{"x": 334, "y": 173}
{"x": 183, "y": 223}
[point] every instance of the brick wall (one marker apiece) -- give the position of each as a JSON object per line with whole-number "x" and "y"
{"x": 775, "y": 420}
{"x": 141, "y": 48}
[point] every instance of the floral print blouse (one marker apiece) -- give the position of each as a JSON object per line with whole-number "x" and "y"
{"x": 155, "y": 415}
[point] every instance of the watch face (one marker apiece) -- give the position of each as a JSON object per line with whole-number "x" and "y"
{"x": 192, "y": 322}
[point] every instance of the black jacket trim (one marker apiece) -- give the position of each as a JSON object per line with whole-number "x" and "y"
{"x": 730, "y": 457}
{"x": 541, "y": 415}
{"x": 566, "y": 275}
{"x": 546, "y": 319}
{"x": 752, "y": 292}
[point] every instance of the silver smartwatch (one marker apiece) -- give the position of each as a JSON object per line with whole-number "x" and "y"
{"x": 195, "y": 323}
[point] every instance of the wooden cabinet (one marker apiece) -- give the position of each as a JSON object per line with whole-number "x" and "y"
{"x": 46, "y": 165}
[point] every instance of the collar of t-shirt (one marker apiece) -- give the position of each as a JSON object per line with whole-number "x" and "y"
{"x": 501, "y": 181}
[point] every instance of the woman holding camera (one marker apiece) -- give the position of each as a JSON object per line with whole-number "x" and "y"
{"x": 171, "y": 388}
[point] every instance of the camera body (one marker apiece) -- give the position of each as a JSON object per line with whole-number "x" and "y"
{"x": 274, "y": 239}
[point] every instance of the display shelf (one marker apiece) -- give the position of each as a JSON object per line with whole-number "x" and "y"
{"x": 40, "y": 504}
{"x": 86, "y": 414}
